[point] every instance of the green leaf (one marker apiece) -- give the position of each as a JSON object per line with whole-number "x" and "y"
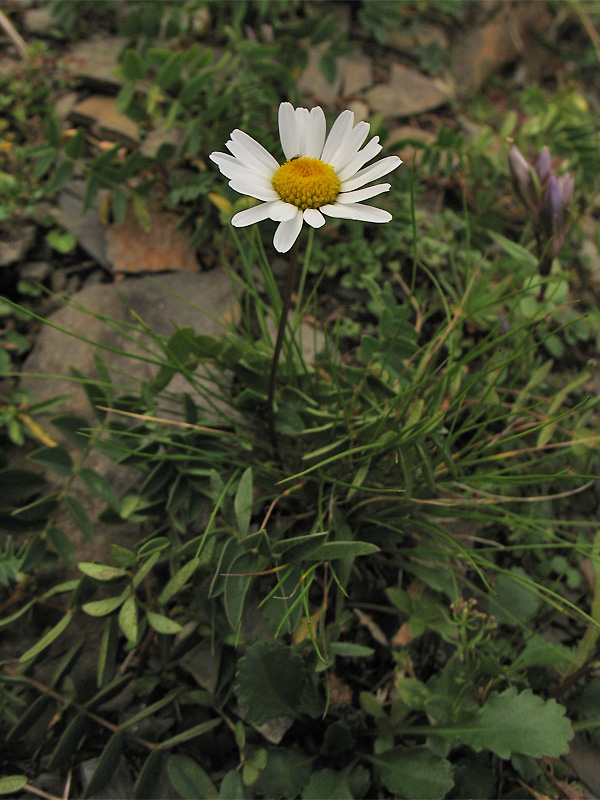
{"x": 107, "y": 765}
{"x": 6, "y": 621}
{"x": 299, "y": 547}
{"x": 237, "y": 587}
{"x": 128, "y": 619}
{"x": 60, "y": 177}
{"x": 522, "y": 256}
{"x": 75, "y": 147}
{"x": 189, "y": 780}
{"x": 119, "y": 204}
{"x": 107, "y": 655}
{"x": 54, "y": 458}
{"x": 232, "y": 787}
{"x": 332, "y": 550}
{"x": 519, "y": 723}
{"x": 20, "y": 484}
{"x": 270, "y": 681}
{"x": 414, "y": 772}
{"x": 101, "y": 572}
{"x": 327, "y": 783}
{"x": 351, "y": 650}
{"x": 243, "y": 502}
{"x": 80, "y": 517}
{"x": 100, "y": 608}
{"x": 148, "y": 711}
{"x": 68, "y": 742}
{"x": 48, "y": 638}
{"x": 44, "y": 162}
{"x": 170, "y": 72}
{"x": 101, "y": 487}
{"x": 133, "y": 66}
{"x": 62, "y": 545}
{"x": 178, "y": 581}
{"x": 286, "y": 773}
{"x": 71, "y": 426}
{"x": 31, "y": 715}
{"x": 148, "y": 782}
{"x": 163, "y": 624}
{"x": 12, "y": 783}
{"x": 191, "y": 733}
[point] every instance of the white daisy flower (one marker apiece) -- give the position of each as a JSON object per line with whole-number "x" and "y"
{"x": 320, "y": 176}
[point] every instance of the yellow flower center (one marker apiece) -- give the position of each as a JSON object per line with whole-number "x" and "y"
{"x": 306, "y": 182}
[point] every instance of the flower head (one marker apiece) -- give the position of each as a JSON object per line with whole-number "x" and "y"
{"x": 320, "y": 176}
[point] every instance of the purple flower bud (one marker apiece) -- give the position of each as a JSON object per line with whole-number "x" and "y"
{"x": 543, "y": 166}
{"x": 566, "y": 183}
{"x": 522, "y": 179}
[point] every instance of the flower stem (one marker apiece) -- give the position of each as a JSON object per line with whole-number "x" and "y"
{"x": 285, "y": 308}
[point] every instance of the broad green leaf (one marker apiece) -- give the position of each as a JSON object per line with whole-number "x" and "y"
{"x": 100, "y": 608}
{"x": 327, "y": 783}
{"x": 48, "y": 638}
{"x": 243, "y": 502}
{"x": 270, "y": 681}
{"x": 287, "y": 771}
{"x": 148, "y": 783}
{"x": 80, "y": 517}
{"x": 20, "y": 484}
{"x": 512, "y": 722}
{"x": 55, "y": 458}
{"x": 189, "y": 780}
{"x": 71, "y": 426}
{"x": 332, "y": 550}
{"x": 163, "y": 624}
{"x": 128, "y": 619}
{"x": 132, "y": 65}
{"x": 145, "y": 568}
{"x": 12, "y": 784}
{"x": 101, "y": 572}
{"x": 107, "y": 765}
{"x": 178, "y": 581}
{"x": 414, "y": 772}
{"x": 232, "y": 787}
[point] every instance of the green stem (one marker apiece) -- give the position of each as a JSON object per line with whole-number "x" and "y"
{"x": 285, "y": 308}
{"x": 588, "y": 642}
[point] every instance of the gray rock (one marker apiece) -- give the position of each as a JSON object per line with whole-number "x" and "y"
{"x": 112, "y": 317}
{"x": 86, "y": 228}
{"x": 38, "y": 20}
{"x": 408, "y": 92}
{"x": 36, "y": 271}
{"x": 15, "y": 241}
{"x": 96, "y": 62}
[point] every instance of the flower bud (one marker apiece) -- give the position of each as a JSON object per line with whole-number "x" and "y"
{"x": 524, "y": 183}
{"x": 543, "y": 166}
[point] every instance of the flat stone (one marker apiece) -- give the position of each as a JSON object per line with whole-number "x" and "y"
{"x": 65, "y": 104}
{"x": 15, "y": 241}
{"x": 86, "y": 228}
{"x": 417, "y": 36}
{"x": 357, "y": 73}
{"x": 159, "y": 136}
{"x": 96, "y": 62}
{"x": 35, "y": 271}
{"x": 203, "y": 301}
{"x": 408, "y": 92}
{"x": 407, "y": 150}
{"x": 485, "y": 49}
{"x": 312, "y": 85}
{"x": 163, "y": 247}
{"x": 100, "y": 113}
{"x": 38, "y": 20}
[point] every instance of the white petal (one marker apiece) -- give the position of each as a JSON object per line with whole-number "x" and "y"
{"x": 288, "y": 130}
{"x": 362, "y": 194}
{"x": 357, "y": 211}
{"x": 315, "y": 132}
{"x": 281, "y": 212}
{"x": 350, "y": 146}
{"x": 352, "y": 166}
{"x": 253, "y": 189}
{"x": 251, "y": 215}
{"x": 232, "y": 167}
{"x": 302, "y": 126}
{"x": 314, "y": 217}
{"x": 341, "y": 128}
{"x": 368, "y": 174}
{"x": 251, "y": 152}
{"x": 287, "y": 232}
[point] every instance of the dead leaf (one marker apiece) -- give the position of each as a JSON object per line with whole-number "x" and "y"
{"x": 372, "y": 627}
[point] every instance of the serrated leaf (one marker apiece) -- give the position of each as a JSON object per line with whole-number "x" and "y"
{"x": 270, "y": 681}
{"x": 55, "y": 458}
{"x": 414, "y": 772}
{"x": 163, "y": 624}
{"x": 512, "y": 722}
{"x": 48, "y": 638}
{"x": 107, "y": 765}
{"x": 128, "y": 619}
{"x": 189, "y": 780}
{"x": 11, "y": 784}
